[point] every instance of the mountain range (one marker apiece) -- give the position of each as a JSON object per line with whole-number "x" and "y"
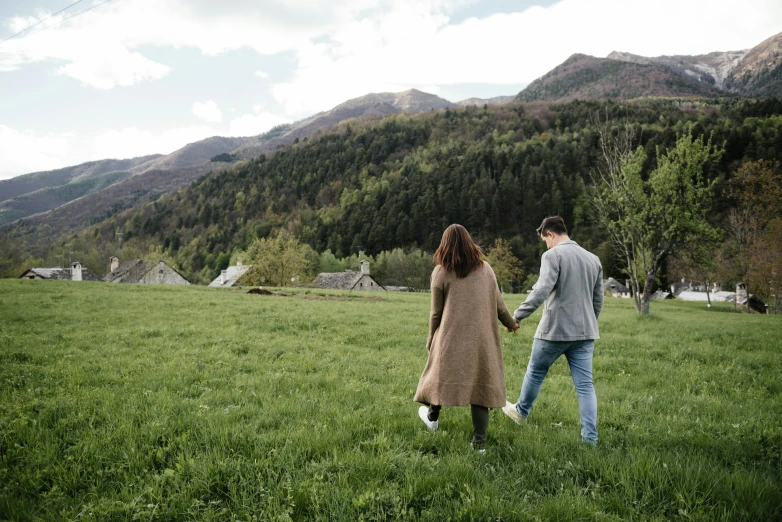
{"x": 751, "y": 73}
{"x": 70, "y": 199}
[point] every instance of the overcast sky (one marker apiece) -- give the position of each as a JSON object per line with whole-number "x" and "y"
{"x": 135, "y": 77}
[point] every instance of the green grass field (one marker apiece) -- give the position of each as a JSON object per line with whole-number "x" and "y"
{"x": 123, "y": 402}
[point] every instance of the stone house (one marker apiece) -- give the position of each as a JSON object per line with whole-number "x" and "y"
{"x": 661, "y": 294}
{"x": 143, "y": 272}
{"x": 231, "y": 275}
{"x": 614, "y": 288}
{"x": 74, "y": 273}
{"x": 348, "y": 280}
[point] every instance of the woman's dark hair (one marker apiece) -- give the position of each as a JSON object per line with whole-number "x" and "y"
{"x": 458, "y": 252}
{"x": 553, "y": 224}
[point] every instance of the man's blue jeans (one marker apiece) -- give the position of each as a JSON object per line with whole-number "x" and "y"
{"x": 579, "y": 358}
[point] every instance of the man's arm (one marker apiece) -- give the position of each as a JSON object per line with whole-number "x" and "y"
{"x": 549, "y": 273}
{"x": 597, "y": 293}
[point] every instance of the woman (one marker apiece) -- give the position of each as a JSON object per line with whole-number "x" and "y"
{"x": 465, "y": 358}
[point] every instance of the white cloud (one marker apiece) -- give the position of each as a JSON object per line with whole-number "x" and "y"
{"x": 258, "y": 122}
{"x": 208, "y": 111}
{"x": 413, "y": 44}
{"x": 101, "y": 47}
{"x": 112, "y": 69}
{"x": 380, "y": 44}
{"x": 26, "y": 151}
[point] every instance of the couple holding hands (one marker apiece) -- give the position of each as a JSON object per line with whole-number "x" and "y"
{"x": 465, "y": 366}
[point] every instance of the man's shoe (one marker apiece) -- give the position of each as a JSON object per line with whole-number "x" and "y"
{"x": 480, "y": 449}
{"x": 510, "y": 411}
{"x": 423, "y": 412}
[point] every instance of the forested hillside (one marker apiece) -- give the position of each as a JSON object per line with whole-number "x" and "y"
{"x": 397, "y": 182}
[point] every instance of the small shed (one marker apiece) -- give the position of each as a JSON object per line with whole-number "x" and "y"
{"x": 75, "y": 273}
{"x": 140, "y": 271}
{"x": 348, "y": 280}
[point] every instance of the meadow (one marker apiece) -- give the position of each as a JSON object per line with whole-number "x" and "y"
{"x": 125, "y": 402}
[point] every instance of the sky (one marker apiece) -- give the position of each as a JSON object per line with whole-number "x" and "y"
{"x": 125, "y": 78}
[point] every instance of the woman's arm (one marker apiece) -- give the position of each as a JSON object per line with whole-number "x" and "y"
{"x": 503, "y": 314}
{"x": 436, "y": 311}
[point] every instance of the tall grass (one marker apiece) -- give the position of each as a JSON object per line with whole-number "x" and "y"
{"x": 122, "y": 402}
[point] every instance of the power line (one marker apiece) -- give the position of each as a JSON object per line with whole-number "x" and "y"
{"x": 65, "y": 19}
{"x": 42, "y": 21}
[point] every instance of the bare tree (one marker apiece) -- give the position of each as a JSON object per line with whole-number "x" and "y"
{"x": 743, "y": 228}
{"x": 610, "y": 181}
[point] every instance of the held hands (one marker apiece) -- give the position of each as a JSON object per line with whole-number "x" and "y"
{"x": 514, "y": 329}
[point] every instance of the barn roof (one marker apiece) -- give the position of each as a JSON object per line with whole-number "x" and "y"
{"x": 232, "y": 274}
{"x": 133, "y": 271}
{"x": 346, "y": 280}
{"x": 337, "y": 280}
{"x": 130, "y": 271}
{"x": 62, "y": 274}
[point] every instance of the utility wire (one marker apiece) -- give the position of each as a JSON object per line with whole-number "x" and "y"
{"x": 64, "y": 19}
{"x": 42, "y": 21}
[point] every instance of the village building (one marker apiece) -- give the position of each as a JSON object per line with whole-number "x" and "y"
{"x": 614, "y": 288}
{"x": 752, "y": 302}
{"x": 661, "y": 294}
{"x": 231, "y": 275}
{"x": 75, "y": 273}
{"x": 348, "y": 280}
{"x": 686, "y": 286}
{"x": 143, "y": 272}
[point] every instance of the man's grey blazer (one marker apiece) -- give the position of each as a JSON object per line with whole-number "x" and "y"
{"x": 571, "y": 284}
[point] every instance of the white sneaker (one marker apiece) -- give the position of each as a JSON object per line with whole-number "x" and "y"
{"x": 423, "y": 412}
{"x": 510, "y": 411}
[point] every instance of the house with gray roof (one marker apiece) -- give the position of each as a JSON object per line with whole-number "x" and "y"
{"x": 614, "y": 288}
{"x": 661, "y": 294}
{"x": 74, "y": 273}
{"x": 684, "y": 286}
{"x": 348, "y": 280}
{"x": 231, "y": 275}
{"x": 139, "y": 271}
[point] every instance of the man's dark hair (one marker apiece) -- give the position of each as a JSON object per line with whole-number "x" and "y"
{"x": 553, "y": 224}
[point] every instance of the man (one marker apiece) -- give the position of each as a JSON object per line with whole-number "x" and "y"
{"x": 571, "y": 285}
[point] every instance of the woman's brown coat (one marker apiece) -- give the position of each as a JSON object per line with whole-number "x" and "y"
{"x": 465, "y": 356}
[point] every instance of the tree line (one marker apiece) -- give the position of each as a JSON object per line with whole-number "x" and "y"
{"x": 379, "y": 186}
